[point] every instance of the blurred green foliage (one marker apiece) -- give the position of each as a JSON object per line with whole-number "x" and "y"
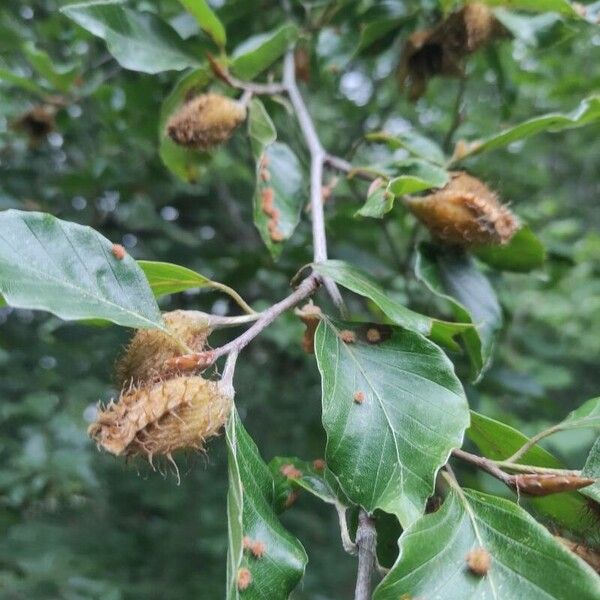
{"x": 78, "y": 524}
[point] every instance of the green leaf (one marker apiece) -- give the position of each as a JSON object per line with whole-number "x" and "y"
{"x": 207, "y": 20}
{"x": 167, "y": 278}
{"x": 23, "y": 82}
{"x": 393, "y": 411}
{"x": 379, "y": 202}
{"x": 319, "y": 482}
{"x": 279, "y": 170}
{"x": 140, "y": 41}
{"x": 187, "y": 164}
{"x": 358, "y": 282}
{"x": 592, "y": 469}
{"x": 522, "y": 254}
{"x": 560, "y": 6}
{"x": 452, "y": 275}
{"x": 60, "y": 77}
{"x": 69, "y": 270}
{"x": 499, "y": 441}
{"x": 412, "y": 141}
{"x": 261, "y": 130}
{"x": 260, "y": 51}
{"x": 526, "y": 560}
{"x": 587, "y": 112}
{"x": 417, "y": 176}
{"x": 587, "y": 415}
{"x": 535, "y": 30}
{"x": 250, "y": 511}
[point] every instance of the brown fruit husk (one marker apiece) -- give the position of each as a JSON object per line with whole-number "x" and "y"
{"x": 144, "y": 358}
{"x": 441, "y": 50}
{"x": 465, "y": 213}
{"x": 160, "y": 418}
{"x": 205, "y": 121}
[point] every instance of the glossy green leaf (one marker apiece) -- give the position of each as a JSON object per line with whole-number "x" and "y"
{"x": 69, "y": 270}
{"x": 139, "y": 41}
{"x": 250, "y": 510}
{"x": 375, "y": 29}
{"x": 522, "y": 254}
{"x": 187, "y": 164}
{"x": 207, "y": 20}
{"x": 360, "y": 283}
{"x": 499, "y": 441}
{"x": 167, "y": 278}
{"x": 412, "y": 141}
{"x": 453, "y": 275}
{"x": 60, "y": 77}
{"x": 587, "y": 112}
{"x": 592, "y": 469}
{"x": 261, "y": 51}
{"x": 393, "y": 411}
{"x": 278, "y": 170}
{"x": 526, "y": 561}
{"x": 261, "y": 130}
{"x": 416, "y": 176}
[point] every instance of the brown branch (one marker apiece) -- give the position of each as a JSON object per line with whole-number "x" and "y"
{"x": 366, "y": 541}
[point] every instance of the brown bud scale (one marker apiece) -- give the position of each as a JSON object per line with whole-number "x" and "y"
{"x": 544, "y": 484}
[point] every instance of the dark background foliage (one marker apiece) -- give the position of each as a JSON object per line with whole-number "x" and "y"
{"x": 79, "y": 524}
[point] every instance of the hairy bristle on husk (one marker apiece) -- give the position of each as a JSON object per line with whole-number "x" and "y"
{"x": 145, "y": 356}
{"x": 465, "y": 213}
{"x": 158, "y": 419}
{"x": 205, "y": 121}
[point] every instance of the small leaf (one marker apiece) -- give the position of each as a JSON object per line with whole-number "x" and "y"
{"x": 379, "y": 202}
{"x": 319, "y": 481}
{"x": 60, "y": 77}
{"x": 140, "y": 41}
{"x": 187, "y": 164}
{"x": 412, "y": 141}
{"x": 523, "y": 253}
{"x": 207, "y": 20}
{"x": 592, "y": 469}
{"x": 560, "y": 6}
{"x": 534, "y": 30}
{"x": 279, "y": 197}
{"x": 498, "y": 441}
{"x": 358, "y": 282}
{"x": 23, "y": 82}
{"x": 587, "y": 112}
{"x": 417, "y": 176}
{"x": 167, "y": 278}
{"x": 451, "y": 274}
{"x": 260, "y": 51}
{"x": 251, "y": 515}
{"x": 525, "y": 561}
{"x": 261, "y": 130}
{"x": 587, "y": 415}
{"x": 393, "y": 410}
{"x": 69, "y": 270}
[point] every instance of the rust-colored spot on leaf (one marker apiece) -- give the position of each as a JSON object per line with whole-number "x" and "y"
{"x": 359, "y": 397}
{"x": 118, "y": 251}
{"x": 244, "y": 579}
{"x": 479, "y": 561}
{"x": 373, "y": 335}
{"x": 319, "y": 464}
{"x": 290, "y": 471}
{"x": 310, "y": 314}
{"x": 347, "y": 336}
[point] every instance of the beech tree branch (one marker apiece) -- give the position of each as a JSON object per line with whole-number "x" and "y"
{"x": 366, "y": 541}
{"x": 317, "y": 158}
